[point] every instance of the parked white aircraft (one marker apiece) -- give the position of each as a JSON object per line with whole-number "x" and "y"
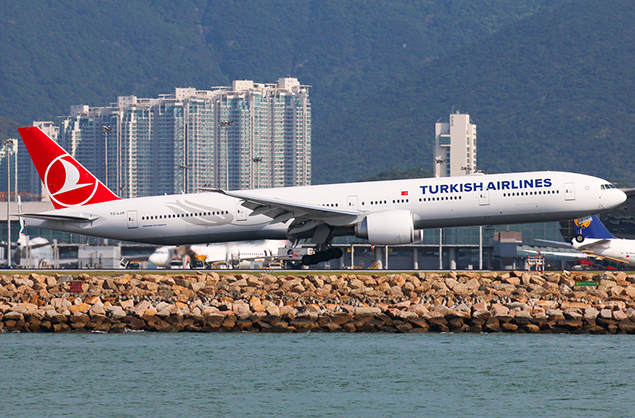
{"x": 595, "y": 240}
{"x": 230, "y": 253}
{"x": 385, "y": 212}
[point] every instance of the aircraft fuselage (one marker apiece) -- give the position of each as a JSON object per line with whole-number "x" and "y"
{"x": 433, "y": 202}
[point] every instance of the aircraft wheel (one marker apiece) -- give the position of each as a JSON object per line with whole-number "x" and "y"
{"x": 307, "y": 260}
{"x": 322, "y": 256}
{"x": 579, "y": 238}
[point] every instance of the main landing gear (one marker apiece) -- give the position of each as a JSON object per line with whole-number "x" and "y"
{"x": 326, "y": 254}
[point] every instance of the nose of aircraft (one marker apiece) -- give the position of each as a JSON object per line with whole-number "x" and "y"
{"x": 617, "y": 198}
{"x": 160, "y": 259}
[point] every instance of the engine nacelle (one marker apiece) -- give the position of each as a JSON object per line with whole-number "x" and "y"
{"x": 388, "y": 228}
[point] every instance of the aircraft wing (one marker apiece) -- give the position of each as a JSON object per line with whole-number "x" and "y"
{"x": 57, "y": 217}
{"x": 558, "y": 253}
{"x": 582, "y": 253}
{"x": 40, "y": 245}
{"x": 559, "y": 243}
{"x": 283, "y": 210}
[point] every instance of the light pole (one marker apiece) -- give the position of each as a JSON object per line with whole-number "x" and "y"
{"x": 225, "y": 124}
{"x": 184, "y": 167}
{"x": 257, "y": 160}
{"x": 8, "y": 146}
{"x": 105, "y": 129}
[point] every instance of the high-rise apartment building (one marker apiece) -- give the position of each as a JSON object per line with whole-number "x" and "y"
{"x": 249, "y": 135}
{"x": 455, "y": 146}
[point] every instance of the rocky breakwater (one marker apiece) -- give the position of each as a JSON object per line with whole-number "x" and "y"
{"x": 419, "y": 302}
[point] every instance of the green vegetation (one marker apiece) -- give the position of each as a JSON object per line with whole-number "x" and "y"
{"x": 548, "y": 82}
{"x": 8, "y": 128}
{"x": 409, "y": 173}
{"x": 554, "y": 91}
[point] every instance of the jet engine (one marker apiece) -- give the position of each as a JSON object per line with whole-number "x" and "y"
{"x": 388, "y": 228}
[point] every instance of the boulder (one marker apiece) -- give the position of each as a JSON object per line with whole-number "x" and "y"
{"x": 13, "y": 316}
{"x": 440, "y": 311}
{"x": 492, "y": 325}
{"x": 22, "y": 282}
{"x": 117, "y": 313}
{"x": 508, "y": 327}
{"x": 523, "y": 318}
{"x": 141, "y": 307}
{"x": 241, "y": 308}
{"x": 370, "y": 310}
{"x": 606, "y": 313}
{"x": 439, "y": 324}
{"x": 97, "y": 309}
{"x": 80, "y": 308}
{"x": 499, "y": 310}
{"x": 554, "y": 314}
{"x": 627, "y": 326}
{"x": 619, "y": 315}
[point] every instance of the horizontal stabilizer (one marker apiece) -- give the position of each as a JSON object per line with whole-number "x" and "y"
{"x": 58, "y": 217}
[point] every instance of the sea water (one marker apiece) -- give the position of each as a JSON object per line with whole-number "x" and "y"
{"x": 316, "y": 374}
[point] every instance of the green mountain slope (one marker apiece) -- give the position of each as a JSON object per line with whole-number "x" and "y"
{"x": 8, "y": 128}
{"x": 56, "y": 54}
{"x": 346, "y": 50}
{"x": 554, "y": 91}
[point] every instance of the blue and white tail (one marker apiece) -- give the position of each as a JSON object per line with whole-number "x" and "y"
{"x": 591, "y": 227}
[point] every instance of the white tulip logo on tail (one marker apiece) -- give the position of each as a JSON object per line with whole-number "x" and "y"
{"x": 77, "y": 188}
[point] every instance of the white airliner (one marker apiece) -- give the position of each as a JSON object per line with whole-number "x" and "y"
{"x": 384, "y": 212}
{"x": 594, "y": 240}
{"x": 232, "y": 254}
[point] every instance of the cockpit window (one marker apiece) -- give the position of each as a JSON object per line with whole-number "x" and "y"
{"x": 607, "y": 186}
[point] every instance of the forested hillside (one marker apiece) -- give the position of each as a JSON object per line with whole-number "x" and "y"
{"x": 548, "y": 82}
{"x": 348, "y": 50}
{"x": 555, "y": 91}
{"x": 57, "y": 54}
{"x": 65, "y": 52}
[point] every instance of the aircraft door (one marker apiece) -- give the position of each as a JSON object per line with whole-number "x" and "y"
{"x": 483, "y": 198}
{"x": 241, "y": 212}
{"x": 132, "y": 219}
{"x": 569, "y": 191}
{"x": 352, "y": 202}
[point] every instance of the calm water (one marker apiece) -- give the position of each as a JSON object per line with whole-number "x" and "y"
{"x": 313, "y": 375}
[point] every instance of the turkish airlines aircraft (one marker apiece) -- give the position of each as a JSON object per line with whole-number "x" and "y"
{"x": 384, "y": 212}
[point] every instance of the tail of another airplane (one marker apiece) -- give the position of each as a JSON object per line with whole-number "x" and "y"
{"x": 66, "y": 181}
{"x": 591, "y": 227}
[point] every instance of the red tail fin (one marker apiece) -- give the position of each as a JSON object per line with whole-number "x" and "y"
{"x": 66, "y": 181}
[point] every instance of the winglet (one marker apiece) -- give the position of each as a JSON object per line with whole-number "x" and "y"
{"x": 66, "y": 181}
